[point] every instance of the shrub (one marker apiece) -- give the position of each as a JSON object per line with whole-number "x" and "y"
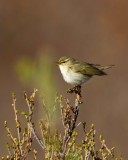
{"x": 55, "y": 145}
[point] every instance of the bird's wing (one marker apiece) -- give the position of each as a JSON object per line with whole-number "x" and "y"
{"x": 87, "y": 69}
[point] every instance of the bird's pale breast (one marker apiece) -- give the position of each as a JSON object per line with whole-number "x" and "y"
{"x": 74, "y": 78}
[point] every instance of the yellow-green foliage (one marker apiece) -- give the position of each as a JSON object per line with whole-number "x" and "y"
{"x": 55, "y": 145}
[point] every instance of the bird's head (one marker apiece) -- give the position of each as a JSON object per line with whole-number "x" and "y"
{"x": 65, "y": 61}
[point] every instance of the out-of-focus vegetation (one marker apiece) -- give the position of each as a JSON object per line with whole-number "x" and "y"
{"x": 39, "y": 74}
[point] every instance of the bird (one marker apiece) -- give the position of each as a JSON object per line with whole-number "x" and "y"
{"x": 77, "y": 72}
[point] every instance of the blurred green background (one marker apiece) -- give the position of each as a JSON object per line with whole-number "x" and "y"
{"x": 34, "y": 34}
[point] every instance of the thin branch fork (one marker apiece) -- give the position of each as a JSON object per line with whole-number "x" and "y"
{"x": 68, "y": 120}
{"x": 30, "y": 103}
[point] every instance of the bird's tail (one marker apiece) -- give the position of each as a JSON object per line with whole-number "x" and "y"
{"x": 104, "y": 67}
